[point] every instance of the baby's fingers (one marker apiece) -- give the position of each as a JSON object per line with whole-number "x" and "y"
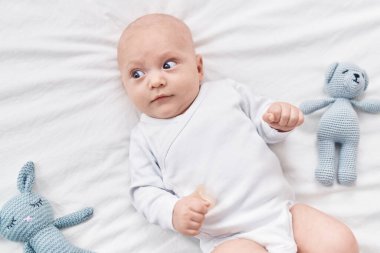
{"x": 200, "y": 206}
{"x": 192, "y": 232}
{"x": 194, "y": 225}
{"x": 197, "y": 217}
{"x": 296, "y": 117}
{"x": 285, "y": 115}
{"x": 273, "y": 114}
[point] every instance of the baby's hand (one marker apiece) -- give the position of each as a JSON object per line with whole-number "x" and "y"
{"x": 283, "y": 116}
{"x": 189, "y": 214}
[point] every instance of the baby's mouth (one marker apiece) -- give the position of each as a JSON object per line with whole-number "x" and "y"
{"x": 160, "y": 97}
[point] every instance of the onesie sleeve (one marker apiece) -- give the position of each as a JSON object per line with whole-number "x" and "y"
{"x": 147, "y": 191}
{"x": 255, "y": 107}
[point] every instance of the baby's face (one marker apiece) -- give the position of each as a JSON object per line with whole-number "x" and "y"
{"x": 159, "y": 68}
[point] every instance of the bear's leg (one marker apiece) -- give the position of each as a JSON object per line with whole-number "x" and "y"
{"x": 347, "y": 163}
{"x": 325, "y": 172}
{"x": 79, "y": 250}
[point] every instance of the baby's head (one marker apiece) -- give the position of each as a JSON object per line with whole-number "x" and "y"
{"x": 159, "y": 67}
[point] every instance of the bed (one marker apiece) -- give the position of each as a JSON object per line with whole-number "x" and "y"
{"x": 63, "y": 106}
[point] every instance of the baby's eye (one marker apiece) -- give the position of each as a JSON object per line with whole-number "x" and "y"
{"x": 345, "y": 71}
{"x": 12, "y": 223}
{"x": 37, "y": 204}
{"x": 136, "y": 74}
{"x": 169, "y": 64}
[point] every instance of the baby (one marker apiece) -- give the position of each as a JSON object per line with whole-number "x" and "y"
{"x": 199, "y": 160}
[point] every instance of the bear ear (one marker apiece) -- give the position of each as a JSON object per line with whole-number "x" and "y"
{"x": 330, "y": 72}
{"x": 366, "y": 80}
{"x": 26, "y": 178}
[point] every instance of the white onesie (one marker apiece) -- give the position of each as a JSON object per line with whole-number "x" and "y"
{"x": 219, "y": 142}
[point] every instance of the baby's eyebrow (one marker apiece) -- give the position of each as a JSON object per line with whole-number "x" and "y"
{"x": 133, "y": 63}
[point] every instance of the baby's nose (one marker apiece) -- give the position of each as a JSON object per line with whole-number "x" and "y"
{"x": 157, "y": 81}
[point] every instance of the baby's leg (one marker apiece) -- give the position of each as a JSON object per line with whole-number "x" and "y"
{"x": 316, "y": 232}
{"x": 241, "y": 246}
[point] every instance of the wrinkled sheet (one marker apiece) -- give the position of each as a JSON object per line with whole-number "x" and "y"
{"x": 62, "y": 104}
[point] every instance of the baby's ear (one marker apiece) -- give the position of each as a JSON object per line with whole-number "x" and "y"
{"x": 26, "y": 178}
{"x": 330, "y": 72}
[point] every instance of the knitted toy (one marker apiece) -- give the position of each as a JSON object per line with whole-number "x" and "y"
{"x": 28, "y": 218}
{"x": 340, "y": 124}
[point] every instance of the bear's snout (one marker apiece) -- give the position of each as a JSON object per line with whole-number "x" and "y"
{"x": 356, "y": 78}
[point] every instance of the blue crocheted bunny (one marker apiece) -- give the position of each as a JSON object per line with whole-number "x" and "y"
{"x": 28, "y": 218}
{"x": 339, "y": 125}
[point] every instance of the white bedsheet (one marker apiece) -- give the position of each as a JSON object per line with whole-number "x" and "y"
{"x": 62, "y": 104}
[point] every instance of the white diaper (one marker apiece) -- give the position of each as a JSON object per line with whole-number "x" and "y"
{"x": 275, "y": 237}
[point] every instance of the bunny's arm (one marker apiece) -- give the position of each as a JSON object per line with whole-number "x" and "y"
{"x": 74, "y": 218}
{"x": 28, "y": 248}
{"x": 369, "y": 105}
{"x": 314, "y": 105}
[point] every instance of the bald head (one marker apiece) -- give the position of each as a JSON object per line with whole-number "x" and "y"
{"x": 159, "y": 19}
{"x": 151, "y": 25}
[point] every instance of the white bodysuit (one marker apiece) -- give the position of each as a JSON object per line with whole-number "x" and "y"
{"x": 219, "y": 142}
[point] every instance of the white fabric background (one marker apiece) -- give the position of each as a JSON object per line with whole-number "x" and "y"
{"x": 62, "y": 104}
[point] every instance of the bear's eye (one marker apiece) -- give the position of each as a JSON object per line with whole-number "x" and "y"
{"x": 37, "y": 204}
{"x": 345, "y": 71}
{"x": 12, "y": 223}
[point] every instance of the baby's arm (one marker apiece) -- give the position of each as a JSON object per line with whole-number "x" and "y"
{"x": 314, "y": 105}
{"x": 147, "y": 191}
{"x": 283, "y": 116}
{"x": 369, "y": 105}
{"x": 256, "y": 107}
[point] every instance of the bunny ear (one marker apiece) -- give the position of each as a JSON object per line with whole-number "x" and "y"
{"x": 26, "y": 178}
{"x": 330, "y": 72}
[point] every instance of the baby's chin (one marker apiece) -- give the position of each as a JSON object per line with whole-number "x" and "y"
{"x": 166, "y": 112}
{"x": 164, "y": 115}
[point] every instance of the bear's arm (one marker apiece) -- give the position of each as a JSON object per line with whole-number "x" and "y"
{"x": 369, "y": 105}
{"x": 310, "y": 106}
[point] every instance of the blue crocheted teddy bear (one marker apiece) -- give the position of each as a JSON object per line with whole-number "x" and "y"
{"x": 28, "y": 218}
{"x": 339, "y": 125}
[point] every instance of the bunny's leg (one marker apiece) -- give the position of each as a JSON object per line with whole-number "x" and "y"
{"x": 347, "y": 163}
{"x": 325, "y": 172}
